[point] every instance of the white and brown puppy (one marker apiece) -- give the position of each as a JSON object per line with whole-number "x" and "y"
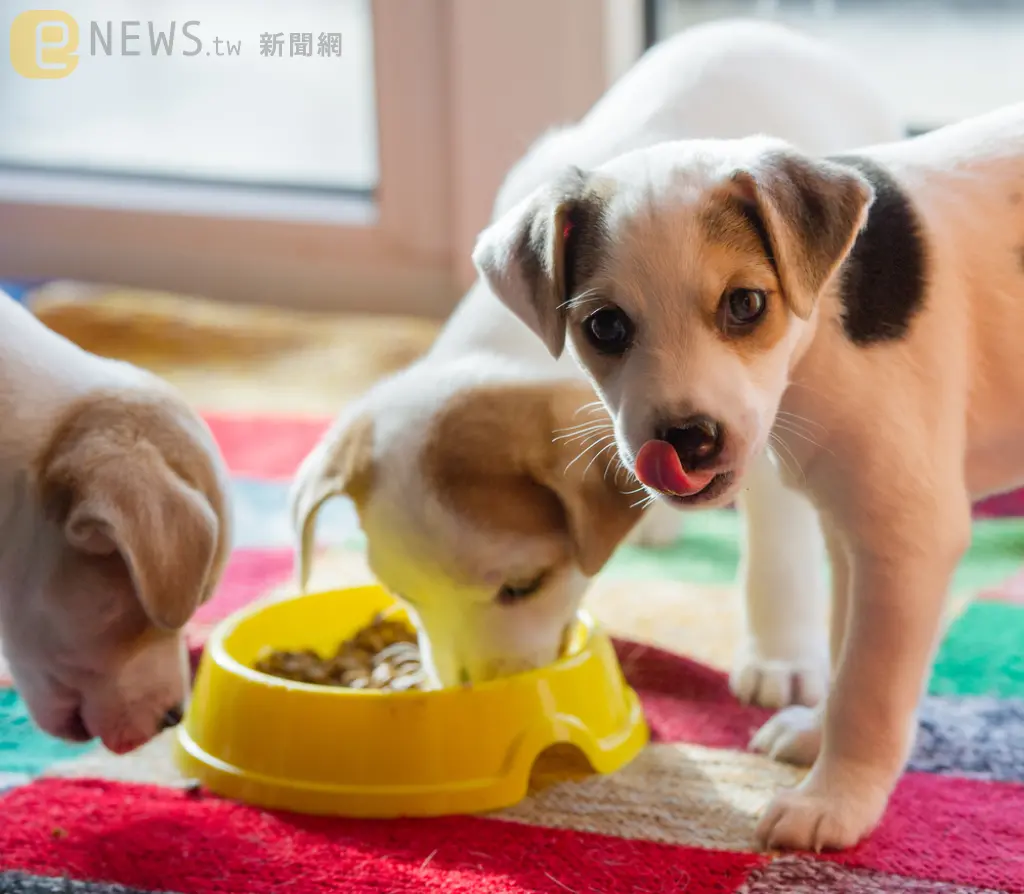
{"x": 114, "y": 528}
{"x": 865, "y": 313}
{"x": 481, "y": 475}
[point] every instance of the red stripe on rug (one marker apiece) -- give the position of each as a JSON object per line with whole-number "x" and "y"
{"x": 269, "y": 448}
{"x": 1009, "y": 505}
{"x": 685, "y": 701}
{"x": 160, "y": 839}
{"x": 963, "y": 831}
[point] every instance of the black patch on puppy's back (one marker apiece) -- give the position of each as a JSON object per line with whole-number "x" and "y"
{"x": 884, "y": 279}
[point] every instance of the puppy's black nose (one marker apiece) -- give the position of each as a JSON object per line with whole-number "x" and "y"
{"x": 172, "y": 718}
{"x": 698, "y": 441}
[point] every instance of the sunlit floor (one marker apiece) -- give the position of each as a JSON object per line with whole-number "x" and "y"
{"x": 302, "y": 120}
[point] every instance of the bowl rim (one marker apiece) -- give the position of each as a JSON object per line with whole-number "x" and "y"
{"x": 219, "y": 654}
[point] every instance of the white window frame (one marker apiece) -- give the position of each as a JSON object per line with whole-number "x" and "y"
{"x": 463, "y": 86}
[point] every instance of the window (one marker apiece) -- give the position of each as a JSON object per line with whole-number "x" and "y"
{"x": 942, "y": 59}
{"x": 251, "y": 92}
{"x": 261, "y": 169}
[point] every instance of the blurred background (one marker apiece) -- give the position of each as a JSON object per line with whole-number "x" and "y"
{"x": 342, "y": 154}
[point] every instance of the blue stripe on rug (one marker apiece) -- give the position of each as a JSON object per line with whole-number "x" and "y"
{"x": 23, "y": 883}
{"x": 974, "y": 736}
{"x": 800, "y": 875}
{"x": 262, "y": 521}
{"x": 12, "y": 780}
{"x": 20, "y": 289}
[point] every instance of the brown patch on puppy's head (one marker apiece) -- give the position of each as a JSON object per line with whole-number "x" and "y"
{"x": 341, "y": 464}
{"x": 810, "y": 212}
{"x": 132, "y": 474}
{"x": 739, "y": 252}
{"x": 494, "y": 458}
{"x": 473, "y": 519}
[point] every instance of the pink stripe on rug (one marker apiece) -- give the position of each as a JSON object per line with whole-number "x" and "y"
{"x": 269, "y": 448}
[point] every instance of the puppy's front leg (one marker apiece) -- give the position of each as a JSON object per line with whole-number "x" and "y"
{"x": 784, "y": 657}
{"x": 902, "y": 558}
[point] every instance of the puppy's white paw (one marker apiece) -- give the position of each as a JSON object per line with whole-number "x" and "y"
{"x": 813, "y": 817}
{"x": 658, "y": 526}
{"x": 793, "y": 735}
{"x": 778, "y": 683}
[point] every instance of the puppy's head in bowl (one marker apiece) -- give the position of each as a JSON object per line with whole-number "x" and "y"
{"x": 685, "y": 278}
{"x": 475, "y": 512}
{"x": 116, "y": 536}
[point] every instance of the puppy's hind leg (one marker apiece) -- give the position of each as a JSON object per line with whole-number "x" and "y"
{"x": 783, "y": 659}
{"x": 794, "y": 733}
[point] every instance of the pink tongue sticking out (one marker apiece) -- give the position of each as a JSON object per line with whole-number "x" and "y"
{"x": 659, "y": 468}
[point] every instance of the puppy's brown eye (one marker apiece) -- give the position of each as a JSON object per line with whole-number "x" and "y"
{"x": 744, "y": 307}
{"x": 517, "y": 591}
{"x": 609, "y": 330}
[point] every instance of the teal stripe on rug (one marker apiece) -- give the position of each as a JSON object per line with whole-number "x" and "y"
{"x": 983, "y": 653}
{"x": 709, "y": 553}
{"x": 24, "y": 749}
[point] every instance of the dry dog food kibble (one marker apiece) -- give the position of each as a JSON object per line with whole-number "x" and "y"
{"x": 383, "y": 655}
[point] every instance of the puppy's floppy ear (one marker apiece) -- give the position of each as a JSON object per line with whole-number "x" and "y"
{"x": 528, "y": 257}
{"x": 598, "y": 512}
{"x": 109, "y": 498}
{"x": 599, "y": 516}
{"x": 811, "y": 211}
{"x": 341, "y": 464}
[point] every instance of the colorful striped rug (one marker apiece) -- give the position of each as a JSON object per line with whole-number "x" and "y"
{"x": 679, "y": 819}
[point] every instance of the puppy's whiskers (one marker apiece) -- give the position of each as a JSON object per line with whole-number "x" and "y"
{"x": 582, "y": 432}
{"x": 587, "y": 448}
{"x": 786, "y": 427}
{"x": 616, "y": 460}
{"x": 576, "y": 301}
{"x": 776, "y": 444}
{"x": 596, "y": 456}
{"x": 586, "y": 423}
{"x": 593, "y": 407}
{"x": 800, "y": 420}
{"x": 649, "y": 500}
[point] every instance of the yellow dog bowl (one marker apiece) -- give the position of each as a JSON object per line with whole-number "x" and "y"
{"x": 317, "y": 749}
